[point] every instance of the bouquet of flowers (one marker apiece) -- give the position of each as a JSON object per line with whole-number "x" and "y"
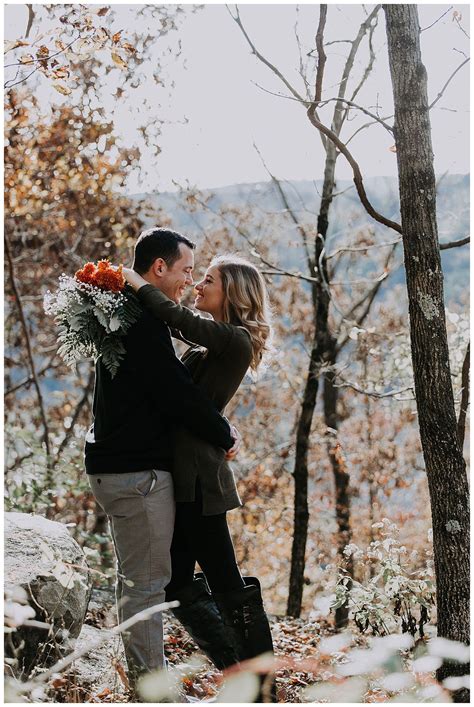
{"x": 93, "y": 311}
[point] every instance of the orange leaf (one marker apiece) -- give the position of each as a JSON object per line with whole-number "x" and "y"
{"x": 116, "y": 37}
{"x": 42, "y": 52}
{"x": 129, "y": 48}
{"x": 122, "y": 674}
{"x": 103, "y": 693}
{"x": 59, "y": 682}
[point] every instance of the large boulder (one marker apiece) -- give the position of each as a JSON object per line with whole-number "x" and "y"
{"x": 42, "y": 559}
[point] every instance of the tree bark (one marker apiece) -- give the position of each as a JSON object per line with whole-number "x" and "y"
{"x": 341, "y": 479}
{"x": 443, "y": 457}
{"x": 464, "y": 397}
{"x": 300, "y": 476}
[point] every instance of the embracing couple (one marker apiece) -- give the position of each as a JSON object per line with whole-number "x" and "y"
{"x": 157, "y": 453}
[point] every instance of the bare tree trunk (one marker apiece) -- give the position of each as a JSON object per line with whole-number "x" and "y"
{"x": 341, "y": 479}
{"x": 319, "y": 351}
{"x": 323, "y": 348}
{"x": 444, "y": 461}
{"x": 464, "y": 396}
{"x": 300, "y": 475}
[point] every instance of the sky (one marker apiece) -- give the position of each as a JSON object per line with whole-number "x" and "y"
{"x": 223, "y": 103}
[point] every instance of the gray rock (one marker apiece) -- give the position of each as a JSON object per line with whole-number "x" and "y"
{"x": 96, "y": 670}
{"x": 41, "y": 557}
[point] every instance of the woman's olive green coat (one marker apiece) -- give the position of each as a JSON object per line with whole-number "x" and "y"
{"x": 217, "y": 364}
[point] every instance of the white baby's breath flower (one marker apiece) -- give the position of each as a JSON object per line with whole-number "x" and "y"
{"x": 91, "y": 321}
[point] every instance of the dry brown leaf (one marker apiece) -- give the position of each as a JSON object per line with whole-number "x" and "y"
{"x": 122, "y": 674}
{"x": 61, "y": 73}
{"x": 42, "y": 52}
{"x": 103, "y": 11}
{"x": 116, "y": 37}
{"x": 118, "y": 60}
{"x": 102, "y": 34}
{"x": 26, "y": 59}
{"x": 129, "y": 48}
{"x": 9, "y": 45}
{"x": 61, "y": 88}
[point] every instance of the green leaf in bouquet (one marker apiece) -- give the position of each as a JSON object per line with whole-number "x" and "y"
{"x": 115, "y": 323}
{"x": 112, "y": 352}
{"x": 101, "y": 317}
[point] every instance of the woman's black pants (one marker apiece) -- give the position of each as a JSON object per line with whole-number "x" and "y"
{"x": 206, "y": 540}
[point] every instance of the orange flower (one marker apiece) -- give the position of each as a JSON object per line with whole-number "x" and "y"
{"x": 86, "y": 274}
{"x": 102, "y": 275}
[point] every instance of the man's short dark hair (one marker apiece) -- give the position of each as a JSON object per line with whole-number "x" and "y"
{"x": 158, "y": 243}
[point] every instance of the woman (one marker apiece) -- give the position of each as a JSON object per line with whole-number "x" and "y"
{"x": 222, "y": 610}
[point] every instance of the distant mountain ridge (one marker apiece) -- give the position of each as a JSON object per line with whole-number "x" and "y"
{"x": 347, "y": 213}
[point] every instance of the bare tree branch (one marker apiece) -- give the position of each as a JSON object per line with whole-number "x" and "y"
{"x": 371, "y": 393}
{"x": 440, "y": 94}
{"x": 366, "y": 125}
{"x": 289, "y": 210}
{"x": 265, "y": 61}
{"x": 29, "y": 352}
{"x": 464, "y": 396}
{"x": 42, "y": 59}
{"x": 358, "y": 180}
{"x": 457, "y": 19}
{"x": 340, "y": 115}
{"x": 318, "y": 88}
{"x": 87, "y": 391}
{"x": 356, "y": 249}
{"x": 276, "y": 270}
{"x": 370, "y": 65}
{"x": 58, "y": 667}
{"x": 30, "y": 379}
{"x": 302, "y": 71}
{"x": 31, "y": 17}
{"x": 351, "y": 104}
{"x": 455, "y": 244}
{"x": 13, "y": 82}
{"x": 368, "y": 299}
{"x": 436, "y": 21}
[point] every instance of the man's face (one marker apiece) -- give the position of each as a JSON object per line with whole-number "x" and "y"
{"x": 174, "y": 280}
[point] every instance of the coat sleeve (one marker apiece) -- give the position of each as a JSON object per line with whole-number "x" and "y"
{"x": 170, "y": 386}
{"x": 214, "y": 336}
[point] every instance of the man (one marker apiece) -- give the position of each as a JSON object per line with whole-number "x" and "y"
{"x": 128, "y": 450}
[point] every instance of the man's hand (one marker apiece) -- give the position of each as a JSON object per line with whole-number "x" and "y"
{"x": 233, "y": 451}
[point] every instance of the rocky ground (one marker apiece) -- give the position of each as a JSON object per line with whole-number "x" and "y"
{"x": 99, "y": 676}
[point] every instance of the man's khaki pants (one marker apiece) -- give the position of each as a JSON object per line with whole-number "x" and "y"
{"x": 140, "y": 508}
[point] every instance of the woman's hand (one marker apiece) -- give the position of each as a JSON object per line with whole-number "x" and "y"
{"x": 236, "y": 436}
{"x": 133, "y": 278}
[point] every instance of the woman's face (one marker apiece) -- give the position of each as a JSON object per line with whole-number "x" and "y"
{"x": 210, "y": 293}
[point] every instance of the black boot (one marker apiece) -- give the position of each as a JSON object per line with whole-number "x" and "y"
{"x": 242, "y": 611}
{"x": 201, "y": 618}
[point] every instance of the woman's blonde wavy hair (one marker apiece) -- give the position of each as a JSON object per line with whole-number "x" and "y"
{"x": 246, "y": 302}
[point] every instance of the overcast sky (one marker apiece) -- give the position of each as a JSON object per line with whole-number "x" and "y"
{"x": 225, "y": 94}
